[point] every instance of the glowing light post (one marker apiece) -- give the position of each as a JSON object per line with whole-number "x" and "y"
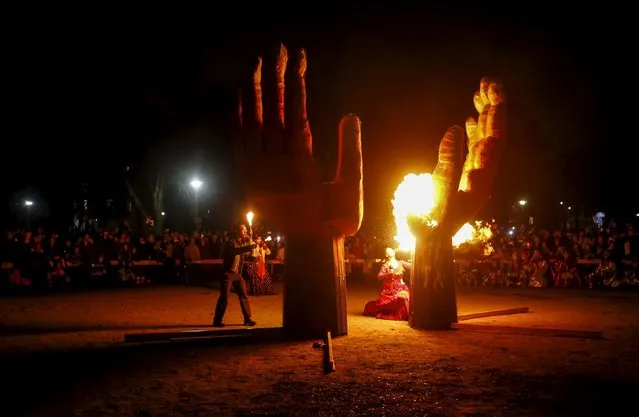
{"x": 249, "y": 219}
{"x": 27, "y": 205}
{"x": 196, "y": 184}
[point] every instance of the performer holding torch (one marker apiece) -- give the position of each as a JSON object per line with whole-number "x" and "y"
{"x": 233, "y": 262}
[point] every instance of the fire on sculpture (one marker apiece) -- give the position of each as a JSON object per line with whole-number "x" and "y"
{"x": 316, "y": 215}
{"x": 461, "y": 188}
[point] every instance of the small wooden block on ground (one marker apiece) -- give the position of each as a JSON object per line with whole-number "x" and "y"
{"x": 535, "y": 331}
{"x": 506, "y": 312}
{"x": 329, "y": 360}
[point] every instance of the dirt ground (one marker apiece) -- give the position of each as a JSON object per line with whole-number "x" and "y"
{"x": 62, "y": 355}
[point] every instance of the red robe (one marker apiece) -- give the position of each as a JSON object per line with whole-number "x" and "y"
{"x": 392, "y": 303}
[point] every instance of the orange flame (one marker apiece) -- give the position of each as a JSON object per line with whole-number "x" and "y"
{"x": 416, "y": 195}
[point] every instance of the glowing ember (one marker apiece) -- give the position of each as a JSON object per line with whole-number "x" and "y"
{"x": 416, "y": 196}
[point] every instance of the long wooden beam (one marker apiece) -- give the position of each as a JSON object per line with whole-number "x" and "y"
{"x": 505, "y": 312}
{"x": 535, "y": 331}
{"x": 200, "y": 334}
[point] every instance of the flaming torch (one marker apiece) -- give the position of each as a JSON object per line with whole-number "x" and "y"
{"x": 249, "y": 219}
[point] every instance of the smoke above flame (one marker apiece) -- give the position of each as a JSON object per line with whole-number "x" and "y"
{"x": 416, "y": 195}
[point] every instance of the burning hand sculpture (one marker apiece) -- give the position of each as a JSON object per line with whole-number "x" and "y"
{"x": 282, "y": 182}
{"x": 462, "y": 188}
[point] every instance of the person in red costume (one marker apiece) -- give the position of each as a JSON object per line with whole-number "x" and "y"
{"x": 392, "y": 303}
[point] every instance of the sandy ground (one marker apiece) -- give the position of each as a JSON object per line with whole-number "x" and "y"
{"x": 62, "y": 356}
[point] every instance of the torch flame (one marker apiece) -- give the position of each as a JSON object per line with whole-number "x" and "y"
{"x": 416, "y": 195}
{"x": 249, "y": 218}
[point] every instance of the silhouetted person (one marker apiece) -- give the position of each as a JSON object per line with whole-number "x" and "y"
{"x": 233, "y": 260}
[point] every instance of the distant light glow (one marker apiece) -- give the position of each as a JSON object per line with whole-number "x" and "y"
{"x": 196, "y": 184}
{"x": 599, "y": 219}
{"x": 163, "y": 213}
{"x": 523, "y": 202}
{"x": 28, "y": 203}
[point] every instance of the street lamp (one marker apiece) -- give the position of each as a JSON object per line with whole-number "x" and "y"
{"x": 196, "y": 184}
{"x": 27, "y": 204}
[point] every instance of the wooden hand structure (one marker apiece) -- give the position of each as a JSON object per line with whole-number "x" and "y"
{"x": 274, "y": 155}
{"x": 462, "y": 188}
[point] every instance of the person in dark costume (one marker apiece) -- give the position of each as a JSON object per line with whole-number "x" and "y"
{"x": 233, "y": 261}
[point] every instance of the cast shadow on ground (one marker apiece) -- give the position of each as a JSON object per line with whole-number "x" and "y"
{"x": 16, "y": 330}
{"x": 49, "y": 373}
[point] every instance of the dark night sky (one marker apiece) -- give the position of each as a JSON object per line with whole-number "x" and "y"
{"x": 86, "y": 99}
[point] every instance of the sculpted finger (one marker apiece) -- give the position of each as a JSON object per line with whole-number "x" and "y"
{"x": 483, "y": 90}
{"x": 478, "y": 177}
{"x": 299, "y": 138}
{"x": 496, "y": 116}
{"x": 282, "y": 62}
{"x": 344, "y": 198}
{"x": 349, "y": 177}
{"x": 485, "y": 103}
{"x": 471, "y": 132}
{"x": 448, "y": 170}
{"x": 251, "y": 109}
{"x": 478, "y": 102}
{"x": 496, "y": 94}
{"x": 273, "y": 88}
{"x": 349, "y": 148}
{"x": 257, "y": 90}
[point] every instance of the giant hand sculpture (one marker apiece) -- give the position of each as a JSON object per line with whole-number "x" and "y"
{"x": 274, "y": 155}
{"x": 462, "y": 189}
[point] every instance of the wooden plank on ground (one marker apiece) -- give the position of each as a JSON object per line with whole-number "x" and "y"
{"x": 535, "y": 331}
{"x": 505, "y": 312}
{"x": 198, "y": 334}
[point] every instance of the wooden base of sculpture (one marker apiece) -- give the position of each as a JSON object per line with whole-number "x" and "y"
{"x": 433, "y": 301}
{"x": 314, "y": 287}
